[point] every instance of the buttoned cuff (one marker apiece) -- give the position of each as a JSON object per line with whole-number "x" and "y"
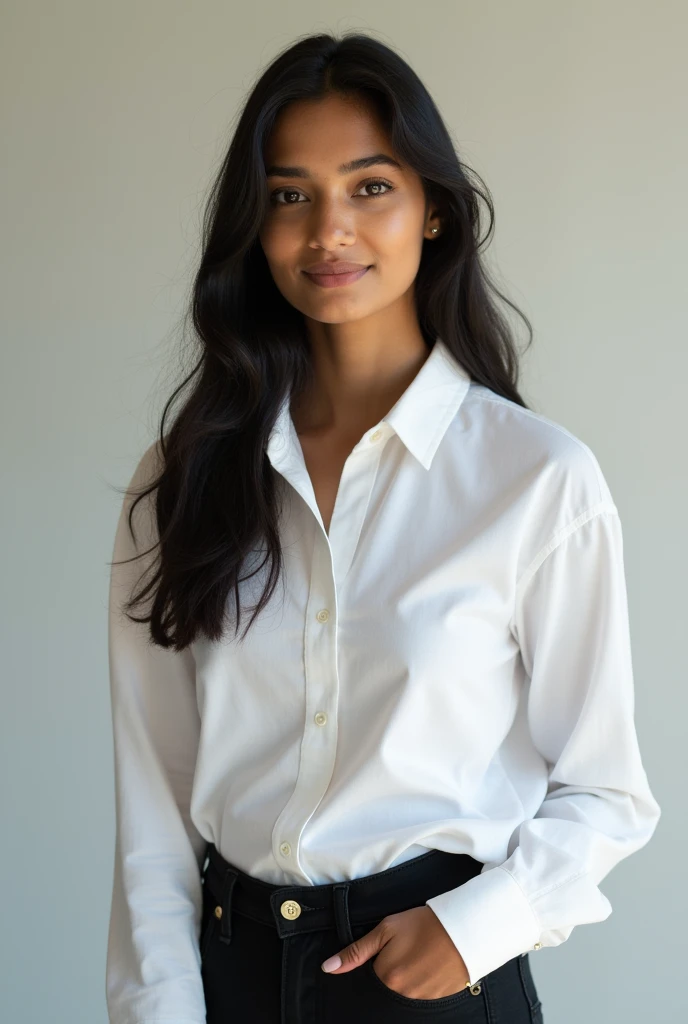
{"x": 488, "y": 919}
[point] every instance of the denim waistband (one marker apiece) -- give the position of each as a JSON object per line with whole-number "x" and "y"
{"x": 295, "y": 909}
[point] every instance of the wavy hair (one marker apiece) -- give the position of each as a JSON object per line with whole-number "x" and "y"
{"x": 216, "y": 499}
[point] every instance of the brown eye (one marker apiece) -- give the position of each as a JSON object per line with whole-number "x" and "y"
{"x": 284, "y": 191}
{"x": 377, "y": 181}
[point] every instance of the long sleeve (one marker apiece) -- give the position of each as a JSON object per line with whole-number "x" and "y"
{"x": 153, "y": 961}
{"x": 571, "y": 623}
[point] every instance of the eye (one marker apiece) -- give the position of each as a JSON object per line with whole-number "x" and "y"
{"x": 285, "y": 192}
{"x": 366, "y": 184}
{"x": 378, "y": 181}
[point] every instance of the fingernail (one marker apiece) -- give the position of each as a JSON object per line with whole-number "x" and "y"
{"x": 332, "y": 964}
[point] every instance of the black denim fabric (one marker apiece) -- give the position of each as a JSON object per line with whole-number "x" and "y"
{"x": 259, "y": 967}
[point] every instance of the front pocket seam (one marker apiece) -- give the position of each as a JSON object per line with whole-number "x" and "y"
{"x": 207, "y": 936}
{"x": 442, "y": 1002}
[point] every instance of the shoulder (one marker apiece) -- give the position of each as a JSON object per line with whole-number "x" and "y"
{"x": 147, "y": 468}
{"x": 546, "y": 458}
{"x": 137, "y": 526}
{"x": 528, "y": 472}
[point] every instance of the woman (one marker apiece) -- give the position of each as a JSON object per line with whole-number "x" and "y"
{"x": 418, "y": 760}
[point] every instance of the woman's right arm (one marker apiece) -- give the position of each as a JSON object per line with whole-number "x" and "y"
{"x": 153, "y": 961}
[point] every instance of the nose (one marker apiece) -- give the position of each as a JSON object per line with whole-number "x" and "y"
{"x": 331, "y": 226}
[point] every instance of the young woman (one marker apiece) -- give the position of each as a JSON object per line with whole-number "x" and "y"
{"x": 416, "y": 762}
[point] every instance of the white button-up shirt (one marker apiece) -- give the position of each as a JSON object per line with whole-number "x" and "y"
{"x": 450, "y": 668}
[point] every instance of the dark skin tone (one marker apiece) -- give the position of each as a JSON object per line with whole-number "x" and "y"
{"x": 367, "y": 348}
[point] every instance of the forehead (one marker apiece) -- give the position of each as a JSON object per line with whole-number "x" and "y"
{"x": 323, "y": 134}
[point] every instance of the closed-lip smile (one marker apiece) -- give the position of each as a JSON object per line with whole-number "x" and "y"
{"x": 334, "y": 267}
{"x": 335, "y": 273}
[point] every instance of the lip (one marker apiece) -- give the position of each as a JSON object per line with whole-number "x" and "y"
{"x": 334, "y": 267}
{"x": 340, "y": 273}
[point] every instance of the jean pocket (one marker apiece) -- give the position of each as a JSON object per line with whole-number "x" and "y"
{"x": 441, "y": 1003}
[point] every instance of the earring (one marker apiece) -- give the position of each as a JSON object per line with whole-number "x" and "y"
{"x": 433, "y": 230}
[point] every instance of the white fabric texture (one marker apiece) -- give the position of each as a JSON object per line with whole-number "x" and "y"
{"x": 450, "y": 668}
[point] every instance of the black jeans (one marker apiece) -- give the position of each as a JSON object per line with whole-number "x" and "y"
{"x": 262, "y": 946}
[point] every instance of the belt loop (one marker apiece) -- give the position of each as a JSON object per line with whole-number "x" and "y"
{"x": 340, "y": 896}
{"x": 228, "y": 881}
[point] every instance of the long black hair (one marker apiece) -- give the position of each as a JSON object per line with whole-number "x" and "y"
{"x": 216, "y": 499}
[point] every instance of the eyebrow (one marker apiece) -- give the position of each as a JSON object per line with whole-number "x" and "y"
{"x": 279, "y": 170}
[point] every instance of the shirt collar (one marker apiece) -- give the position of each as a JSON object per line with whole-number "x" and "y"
{"x": 420, "y": 416}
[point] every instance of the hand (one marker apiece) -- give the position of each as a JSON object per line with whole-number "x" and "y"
{"x": 414, "y": 955}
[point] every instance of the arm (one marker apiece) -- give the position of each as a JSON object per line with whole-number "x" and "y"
{"x": 152, "y": 956}
{"x": 571, "y": 622}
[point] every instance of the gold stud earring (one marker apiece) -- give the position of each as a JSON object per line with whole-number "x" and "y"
{"x": 433, "y": 230}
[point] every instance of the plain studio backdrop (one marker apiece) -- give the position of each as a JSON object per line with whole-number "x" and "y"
{"x": 114, "y": 118}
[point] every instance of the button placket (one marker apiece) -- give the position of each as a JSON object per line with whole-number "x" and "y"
{"x": 318, "y": 744}
{"x": 331, "y": 558}
{"x": 353, "y": 497}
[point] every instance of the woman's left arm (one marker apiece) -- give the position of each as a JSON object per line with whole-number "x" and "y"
{"x": 571, "y": 623}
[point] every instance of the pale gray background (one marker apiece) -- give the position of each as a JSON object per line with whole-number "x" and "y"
{"x": 114, "y": 116}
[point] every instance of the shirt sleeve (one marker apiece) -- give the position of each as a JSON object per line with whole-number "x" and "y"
{"x": 153, "y": 959}
{"x": 571, "y": 623}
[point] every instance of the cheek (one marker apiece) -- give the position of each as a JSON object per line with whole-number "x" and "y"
{"x": 398, "y": 244}
{"x": 397, "y": 226}
{"x": 271, "y": 243}
{"x": 280, "y": 253}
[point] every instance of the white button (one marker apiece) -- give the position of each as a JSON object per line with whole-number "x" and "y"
{"x": 285, "y": 848}
{"x": 376, "y": 436}
{"x": 323, "y": 615}
{"x": 320, "y": 718}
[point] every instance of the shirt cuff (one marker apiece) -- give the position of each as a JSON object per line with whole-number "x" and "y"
{"x": 488, "y": 919}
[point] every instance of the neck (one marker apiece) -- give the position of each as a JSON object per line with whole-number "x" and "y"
{"x": 356, "y": 379}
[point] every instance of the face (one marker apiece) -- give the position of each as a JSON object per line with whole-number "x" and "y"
{"x": 374, "y": 215}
